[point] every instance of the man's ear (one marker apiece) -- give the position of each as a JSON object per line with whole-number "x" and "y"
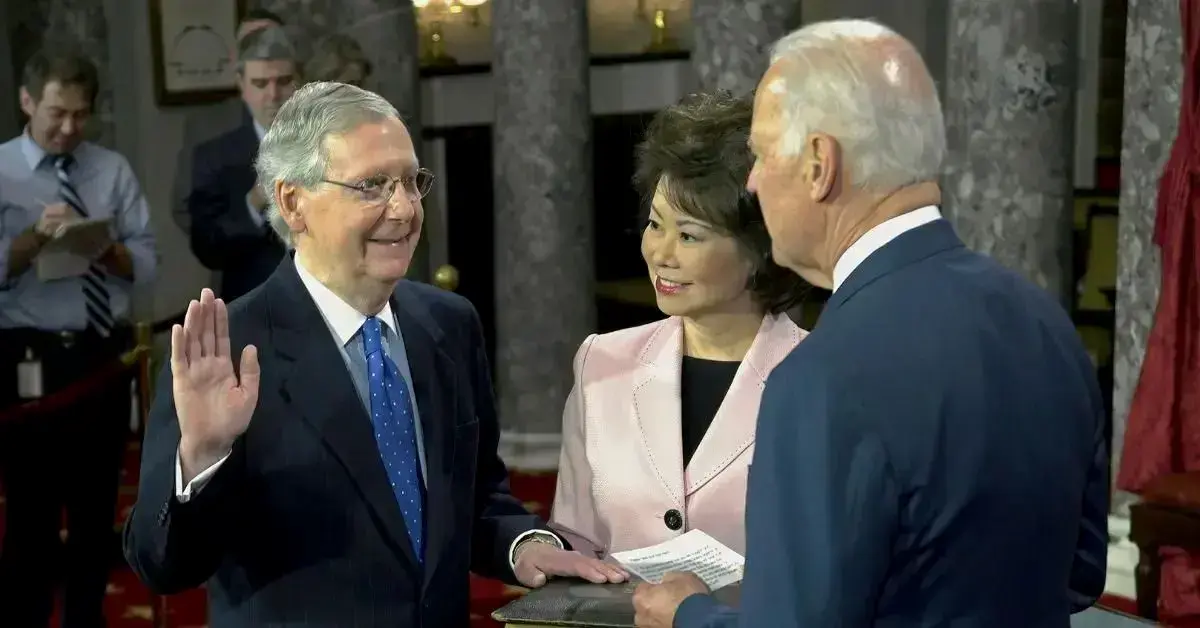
{"x": 28, "y": 102}
{"x": 290, "y": 201}
{"x": 822, "y": 163}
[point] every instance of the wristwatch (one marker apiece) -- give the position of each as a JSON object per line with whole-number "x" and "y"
{"x": 537, "y": 537}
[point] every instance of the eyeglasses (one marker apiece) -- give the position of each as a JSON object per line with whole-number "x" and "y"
{"x": 379, "y": 188}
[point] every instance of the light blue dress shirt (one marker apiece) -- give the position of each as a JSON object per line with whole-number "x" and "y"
{"x": 109, "y": 189}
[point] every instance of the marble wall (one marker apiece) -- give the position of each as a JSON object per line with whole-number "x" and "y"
{"x": 731, "y": 40}
{"x": 542, "y": 155}
{"x": 1009, "y": 129}
{"x": 1153, "y": 78}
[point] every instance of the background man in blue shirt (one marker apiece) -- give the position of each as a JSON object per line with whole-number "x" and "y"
{"x": 73, "y": 327}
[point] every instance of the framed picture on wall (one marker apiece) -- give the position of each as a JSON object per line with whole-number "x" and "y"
{"x": 193, "y": 49}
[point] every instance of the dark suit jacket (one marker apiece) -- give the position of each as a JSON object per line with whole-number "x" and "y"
{"x": 201, "y": 124}
{"x": 931, "y": 455}
{"x": 299, "y": 527}
{"x": 223, "y": 235}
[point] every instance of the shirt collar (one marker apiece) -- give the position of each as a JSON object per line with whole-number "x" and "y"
{"x": 259, "y": 129}
{"x": 342, "y": 318}
{"x": 878, "y": 237}
{"x": 34, "y": 154}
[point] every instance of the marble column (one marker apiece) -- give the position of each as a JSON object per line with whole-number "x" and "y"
{"x": 1153, "y": 78}
{"x": 544, "y": 269}
{"x": 10, "y": 77}
{"x": 731, "y": 40}
{"x": 79, "y": 24}
{"x": 1010, "y": 133}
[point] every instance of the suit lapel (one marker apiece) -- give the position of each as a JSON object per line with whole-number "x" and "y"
{"x": 435, "y": 385}
{"x": 657, "y": 406}
{"x": 732, "y": 429}
{"x": 317, "y": 387}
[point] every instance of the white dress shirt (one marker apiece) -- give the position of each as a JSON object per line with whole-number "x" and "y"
{"x": 878, "y": 237}
{"x": 344, "y": 323}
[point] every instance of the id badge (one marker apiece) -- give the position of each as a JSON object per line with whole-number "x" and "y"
{"x": 29, "y": 377}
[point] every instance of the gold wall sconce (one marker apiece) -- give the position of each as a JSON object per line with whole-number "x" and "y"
{"x": 433, "y": 15}
{"x": 656, "y": 14}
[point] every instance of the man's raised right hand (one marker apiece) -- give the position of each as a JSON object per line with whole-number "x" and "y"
{"x": 213, "y": 406}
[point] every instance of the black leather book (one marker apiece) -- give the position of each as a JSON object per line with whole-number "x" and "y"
{"x": 569, "y": 602}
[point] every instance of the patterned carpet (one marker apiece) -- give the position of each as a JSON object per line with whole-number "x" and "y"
{"x": 130, "y": 605}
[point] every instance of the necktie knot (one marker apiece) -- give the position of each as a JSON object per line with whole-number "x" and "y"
{"x": 63, "y": 162}
{"x": 372, "y": 333}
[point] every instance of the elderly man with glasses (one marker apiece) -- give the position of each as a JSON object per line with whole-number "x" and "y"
{"x": 345, "y": 471}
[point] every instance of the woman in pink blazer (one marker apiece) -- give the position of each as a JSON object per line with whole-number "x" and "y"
{"x": 658, "y": 431}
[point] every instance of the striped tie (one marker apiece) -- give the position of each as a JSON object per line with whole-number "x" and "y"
{"x": 95, "y": 294}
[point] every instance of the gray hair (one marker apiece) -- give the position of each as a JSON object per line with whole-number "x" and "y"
{"x": 265, "y": 44}
{"x": 882, "y": 108}
{"x": 294, "y": 149}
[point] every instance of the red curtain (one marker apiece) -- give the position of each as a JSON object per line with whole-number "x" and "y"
{"x": 1163, "y": 431}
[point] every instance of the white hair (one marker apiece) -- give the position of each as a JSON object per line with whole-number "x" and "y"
{"x": 294, "y": 148}
{"x": 851, "y": 80}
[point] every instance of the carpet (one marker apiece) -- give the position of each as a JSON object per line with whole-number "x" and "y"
{"x": 130, "y": 605}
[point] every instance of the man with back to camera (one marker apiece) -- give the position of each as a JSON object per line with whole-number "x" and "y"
{"x": 933, "y": 453}
{"x": 228, "y": 210}
{"x": 351, "y": 479}
{"x": 204, "y": 123}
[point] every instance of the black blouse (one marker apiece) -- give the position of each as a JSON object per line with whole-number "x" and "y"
{"x": 703, "y": 384}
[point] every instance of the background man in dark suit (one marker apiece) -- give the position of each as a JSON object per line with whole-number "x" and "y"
{"x": 933, "y": 453}
{"x": 346, "y": 474}
{"x": 228, "y": 211}
{"x": 203, "y": 123}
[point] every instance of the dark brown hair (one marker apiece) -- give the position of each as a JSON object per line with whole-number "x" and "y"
{"x": 68, "y": 67}
{"x": 698, "y": 151}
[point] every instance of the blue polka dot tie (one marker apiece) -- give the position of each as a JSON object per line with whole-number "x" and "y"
{"x": 392, "y": 416}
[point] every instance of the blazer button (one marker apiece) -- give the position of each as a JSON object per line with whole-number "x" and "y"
{"x": 673, "y": 519}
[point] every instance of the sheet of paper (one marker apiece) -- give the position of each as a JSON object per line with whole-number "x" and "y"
{"x": 695, "y": 552}
{"x": 85, "y": 238}
{"x": 59, "y": 265}
{"x": 72, "y": 249}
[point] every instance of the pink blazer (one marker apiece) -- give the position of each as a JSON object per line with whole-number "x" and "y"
{"x": 621, "y": 467}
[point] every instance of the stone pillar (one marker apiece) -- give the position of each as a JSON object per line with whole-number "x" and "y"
{"x": 10, "y": 77}
{"x": 544, "y": 269}
{"x": 1153, "y": 78}
{"x": 1010, "y": 120}
{"x": 731, "y": 40}
{"x": 80, "y": 24}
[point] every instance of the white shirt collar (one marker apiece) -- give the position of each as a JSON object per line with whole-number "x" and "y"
{"x": 342, "y": 318}
{"x": 878, "y": 237}
{"x": 259, "y": 129}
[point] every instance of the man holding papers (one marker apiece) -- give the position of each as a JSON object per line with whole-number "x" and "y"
{"x": 75, "y": 239}
{"x": 933, "y": 453}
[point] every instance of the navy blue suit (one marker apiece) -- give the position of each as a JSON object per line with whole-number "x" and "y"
{"x": 933, "y": 454}
{"x": 224, "y": 236}
{"x": 300, "y": 527}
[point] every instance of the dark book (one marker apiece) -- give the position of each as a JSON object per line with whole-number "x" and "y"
{"x": 569, "y": 602}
